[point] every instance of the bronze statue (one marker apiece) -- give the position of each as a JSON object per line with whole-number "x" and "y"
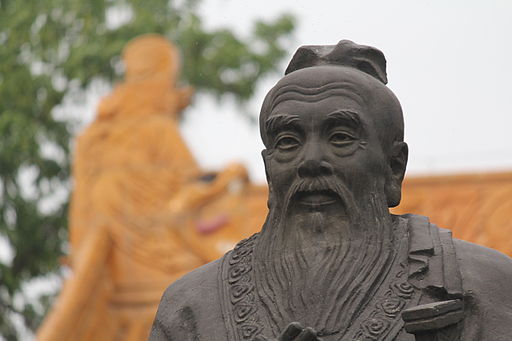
{"x": 331, "y": 262}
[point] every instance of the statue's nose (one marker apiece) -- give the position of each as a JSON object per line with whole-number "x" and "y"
{"x": 314, "y": 167}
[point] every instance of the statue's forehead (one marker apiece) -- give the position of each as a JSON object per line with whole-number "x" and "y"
{"x": 309, "y": 115}
{"x": 317, "y": 83}
{"x": 334, "y": 97}
{"x": 338, "y": 99}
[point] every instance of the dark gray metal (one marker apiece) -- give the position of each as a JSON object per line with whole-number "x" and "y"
{"x": 331, "y": 262}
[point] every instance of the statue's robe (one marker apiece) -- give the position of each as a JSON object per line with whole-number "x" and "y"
{"x": 218, "y": 301}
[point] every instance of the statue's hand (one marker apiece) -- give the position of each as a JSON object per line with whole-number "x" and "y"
{"x": 293, "y": 332}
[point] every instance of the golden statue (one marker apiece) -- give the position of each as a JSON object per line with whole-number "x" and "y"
{"x": 143, "y": 213}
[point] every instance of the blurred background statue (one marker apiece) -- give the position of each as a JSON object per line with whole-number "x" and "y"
{"x": 143, "y": 213}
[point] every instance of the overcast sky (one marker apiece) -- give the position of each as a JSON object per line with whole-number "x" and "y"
{"x": 448, "y": 63}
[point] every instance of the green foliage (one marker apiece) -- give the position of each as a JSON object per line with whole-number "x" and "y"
{"x": 55, "y": 48}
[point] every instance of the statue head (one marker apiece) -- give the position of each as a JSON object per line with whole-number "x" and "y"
{"x": 332, "y": 129}
{"x": 335, "y": 160}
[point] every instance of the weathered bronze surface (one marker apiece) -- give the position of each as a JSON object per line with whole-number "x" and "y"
{"x": 331, "y": 262}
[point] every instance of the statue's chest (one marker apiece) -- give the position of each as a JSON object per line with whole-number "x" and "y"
{"x": 377, "y": 319}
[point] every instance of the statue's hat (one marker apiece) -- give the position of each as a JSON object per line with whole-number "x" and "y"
{"x": 346, "y": 53}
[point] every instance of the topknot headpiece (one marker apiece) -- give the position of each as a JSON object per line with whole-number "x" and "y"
{"x": 346, "y": 53}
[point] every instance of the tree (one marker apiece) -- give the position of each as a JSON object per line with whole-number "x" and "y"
{"x": 55, "y": 49}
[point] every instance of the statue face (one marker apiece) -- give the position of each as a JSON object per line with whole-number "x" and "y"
{"x": 318, "y": 146}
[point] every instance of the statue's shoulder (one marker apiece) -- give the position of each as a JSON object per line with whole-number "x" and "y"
{"x": 480, "y": 275}
{"x": 483, "y": 268}
{"x": 480, "y": 266}
{"x": 187, "y": 303}
{"x": 487, "y": 282}
{"x": 194, "y": 285}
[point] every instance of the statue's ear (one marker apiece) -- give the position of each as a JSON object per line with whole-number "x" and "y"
{"x": 264, "y": 154}
{"x": 397, "y": 165}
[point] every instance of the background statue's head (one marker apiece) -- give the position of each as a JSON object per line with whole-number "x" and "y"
{"x": 150, "y": 56}
{"x": 333, "y": 130}
{"x": 152, "y": 64}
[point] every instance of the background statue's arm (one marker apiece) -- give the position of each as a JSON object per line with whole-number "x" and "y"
{"x": 193, "y": 195}
{"x": 78, "y": 290}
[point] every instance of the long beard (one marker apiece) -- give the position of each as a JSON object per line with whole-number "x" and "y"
{"x": 322, "y": 282}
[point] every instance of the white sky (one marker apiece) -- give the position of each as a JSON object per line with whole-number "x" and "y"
{"x": 448, "y": 63}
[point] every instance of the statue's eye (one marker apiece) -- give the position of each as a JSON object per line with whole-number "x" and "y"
{"x": 341, "y": 139}
{"x": 287, "y": 143}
